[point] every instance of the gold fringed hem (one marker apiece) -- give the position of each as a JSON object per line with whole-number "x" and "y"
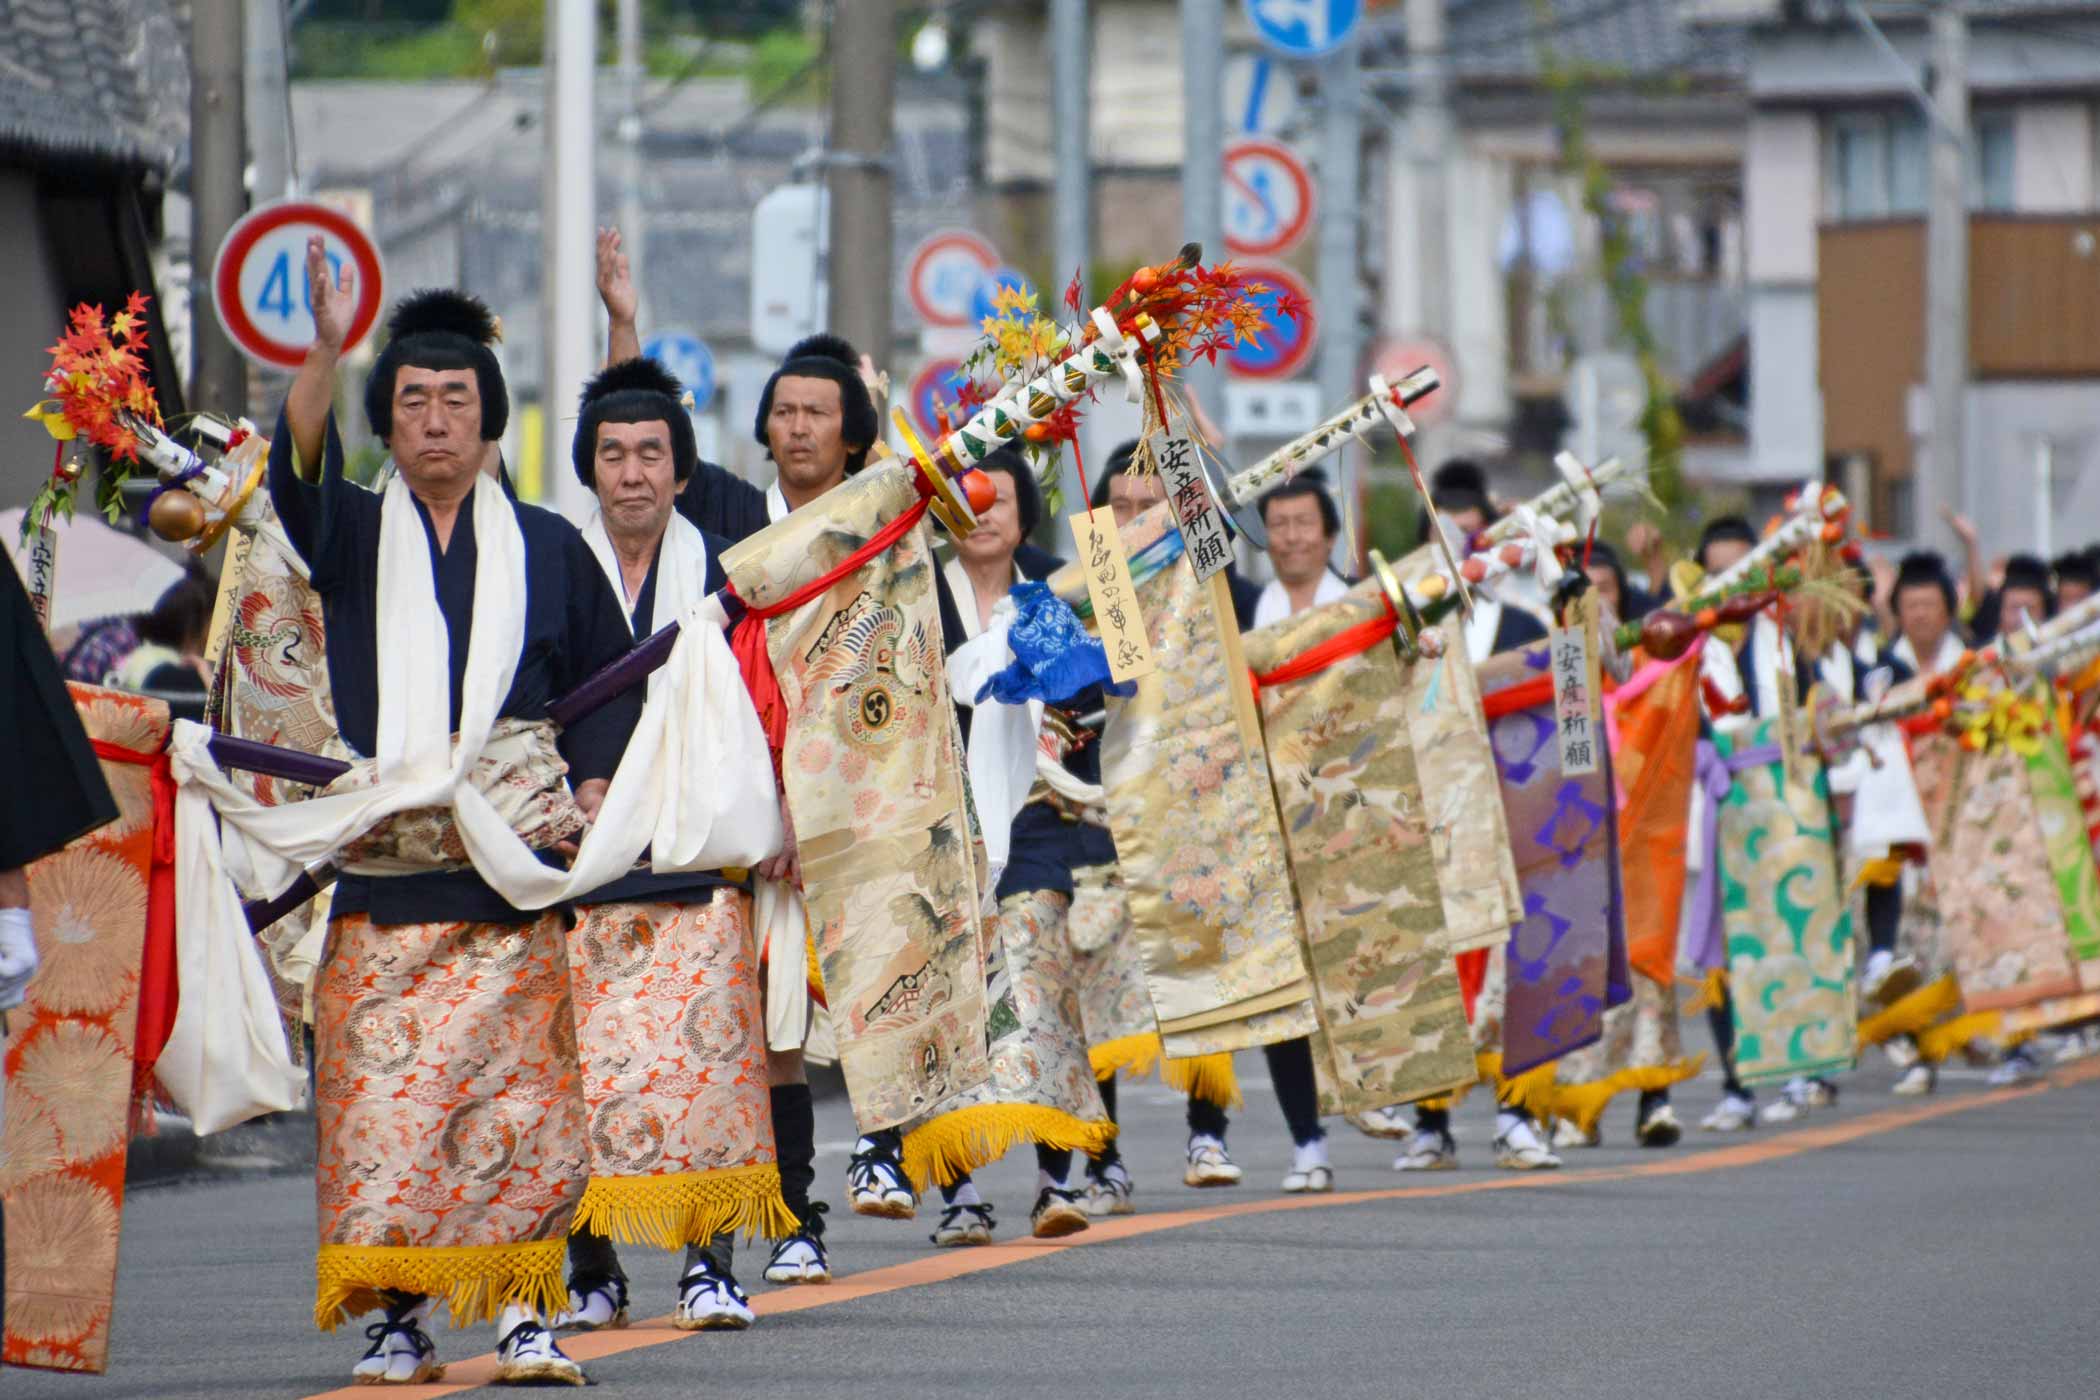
{"x": 1531, "y": 1091}
{"x": 952, "y": 1146}
{"x": 1938, "y": 1042}
{"x": 1206, "y": 1077}
{"x": 670, "y": 1212}
{"x": 1584, "y": 1104}
{"x": 1134, "y": 1055}
{"x": 1912, "y": 1014}
{"x": 1711, "y": 993}
{"x": 477, "y": 1282}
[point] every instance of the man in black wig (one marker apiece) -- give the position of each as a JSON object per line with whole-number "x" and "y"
{"x": 427, "y": 963}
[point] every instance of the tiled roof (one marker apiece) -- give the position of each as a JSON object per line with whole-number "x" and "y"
{"x": 98, "y": 80}
{"x": 1506, "y": 40}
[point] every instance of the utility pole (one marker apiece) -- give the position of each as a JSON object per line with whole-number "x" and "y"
{"x": 1341, "y": 288}
{"x": 1429, "y": 148}
{"x": 1937, "y": 477}
{"x": 218, "y": 195}
{"x": 269, "y": 116}
{"x": 1072, "y": 185}
{"x": 1203, "y": 165}
{"x": 863, "y": 97}
{"x": 633, "y": 220}
{"x": 568, "y": 220}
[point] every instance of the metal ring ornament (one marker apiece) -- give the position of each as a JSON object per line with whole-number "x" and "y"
{"x": 1410, "y": 621}
{"x": 950, "y": 506}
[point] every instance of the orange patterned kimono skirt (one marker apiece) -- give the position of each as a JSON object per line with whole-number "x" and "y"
{"x": 451, "y": 1116}
{"x": 670, "y": 1030}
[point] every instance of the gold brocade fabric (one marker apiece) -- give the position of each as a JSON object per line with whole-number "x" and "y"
{"x": 1196, "y": 834}
{"x": 873, "y": 770}
{"x": 1113, "y": 1002}
{"x": 670, "y": 1037}
{"x": 1456, "y": 765}
{"x": 1343, "y": 767}
{"x": 1042, "y": 1088}
{"x": 450, "y": 1115}
{"x": 68, "y": 1062}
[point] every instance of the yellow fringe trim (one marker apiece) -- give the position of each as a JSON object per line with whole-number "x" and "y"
{"x": 1532, "y": 1090}
{"x": 956, "y": 1144}
{"x": 1134, "y": 1055}
{"x": 476, "y": 1281}
{"x": 816, "y": 968}
{"x": 1914, "y": 1013}
{"x": 671, "y": 1212}
{"x": 1206, "y": 1077}
{"x": 1944, "y": 1039}
{"x": 1880, "y": 872}
{"x": 1712, "y": 993}
{"x": 1584, "y": 1104}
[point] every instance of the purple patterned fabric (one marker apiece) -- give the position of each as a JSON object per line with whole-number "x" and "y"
{"x": 1567, "y": 959}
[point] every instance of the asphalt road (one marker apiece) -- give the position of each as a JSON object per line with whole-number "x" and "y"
{"x": 1889, "y": 1247}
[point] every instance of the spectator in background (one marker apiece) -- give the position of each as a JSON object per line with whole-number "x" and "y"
{"x": 168, "y": 662}
{"x": 1608, "y": 576}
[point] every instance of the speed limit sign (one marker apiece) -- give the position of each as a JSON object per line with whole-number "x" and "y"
{"x": 258, "y": 280}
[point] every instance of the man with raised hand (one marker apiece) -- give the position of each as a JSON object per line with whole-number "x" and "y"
{"x": 669, "y": 1016}
{"x": 451, "y": 1130}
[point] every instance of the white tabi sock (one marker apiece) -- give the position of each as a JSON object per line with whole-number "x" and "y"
{"x": 1307, "y": 1156}
{"x": 966, "y": 1195}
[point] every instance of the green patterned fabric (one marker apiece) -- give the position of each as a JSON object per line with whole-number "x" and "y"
{"x": 1787, "y": 922}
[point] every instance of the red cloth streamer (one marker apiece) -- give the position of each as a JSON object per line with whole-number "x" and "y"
{"x": 157, "y": 985}
{"x": 1350, "y": 641}
{"x": 1524, "y": 695}
{"x": 747, "y": 640}
{"x": 1472, "y": 975}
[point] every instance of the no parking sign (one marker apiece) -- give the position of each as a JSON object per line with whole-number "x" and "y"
{"x": 1284, "y": 347}
{"x": 1268, "y": 198}
{"x": 258, "y": 279}
{"x": 934, "y": 387}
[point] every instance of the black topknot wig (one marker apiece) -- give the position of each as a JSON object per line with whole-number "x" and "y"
{"x": 1028, "y": 494}
{"x": 437, "y": 328}
{"x": 1923, "y": 569}
{"x": 1726, "y": 528}
{"x": 826, "y": 356}
{"x": 1459, "y": 484}
{"x": 633, "y": 391}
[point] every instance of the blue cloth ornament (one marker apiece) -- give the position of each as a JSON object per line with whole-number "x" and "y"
{"x": 1055, "y": 657}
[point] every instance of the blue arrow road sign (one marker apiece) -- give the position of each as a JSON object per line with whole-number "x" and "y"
{"x": 1303, "y": 28}
{"x": 687, "y": 357}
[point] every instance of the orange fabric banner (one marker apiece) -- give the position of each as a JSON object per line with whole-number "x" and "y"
{"x": 1654, "y": 729}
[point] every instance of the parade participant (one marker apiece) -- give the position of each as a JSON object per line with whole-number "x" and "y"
{"x": 440, "y": 1008}
{"x": 1122, "y": 1031}
{"x": 1302, "y": 523}
{"x": 817, "y": 421}
{"x": 2077, "y": 576}
{"x": 1459, "y": 490}
{"x": 1042, "y": 1088}
{"x": 1927, "y": 641}
{"x": 664, "y": 974}
{"x": 1722, "y": 543}
{"x": 2025, "y": 597}
{"x": 48, "y": 752}
{"x": 1608, "y": 575}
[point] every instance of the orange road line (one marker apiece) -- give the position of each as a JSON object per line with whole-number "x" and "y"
{"x": 478, "y": 1371}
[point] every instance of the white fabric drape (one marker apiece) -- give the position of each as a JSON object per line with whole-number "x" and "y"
{"x": 694, "y": 785}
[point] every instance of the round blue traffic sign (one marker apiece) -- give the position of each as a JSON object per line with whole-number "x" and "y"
{"x": 981, "y": 306}
{"x": 1304, "y": 28}
{"x": 688, "y": 359}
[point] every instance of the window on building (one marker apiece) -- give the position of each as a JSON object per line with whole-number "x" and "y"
{"x": 1879, "y": 163}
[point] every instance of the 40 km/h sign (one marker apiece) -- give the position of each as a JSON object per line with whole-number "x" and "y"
{"x": 258, "y": 280}
{"x": 1268, "y": 198}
